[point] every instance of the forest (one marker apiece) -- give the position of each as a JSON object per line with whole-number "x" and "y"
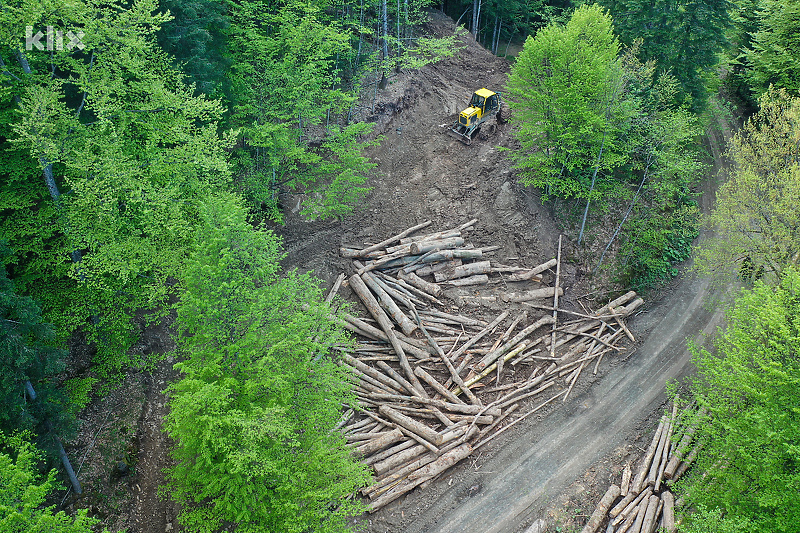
{"x": 151, "y": 153}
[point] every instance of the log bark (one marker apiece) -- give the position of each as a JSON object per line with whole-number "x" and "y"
{"x": 442, "y": 244}
{"x": 662, "y": 442}
{"x": 601, "y": 510}
{"x": 463, "y": 271}
{"x": 436, "y": 267}
{"x": 669, "y": 511}
{"x": 478, "y": 279}
{"x": 458, "y": 319}
{"x": 435, "y": 468}
{"x": 394, "y": 238}
{"x": 555, "y": 305}
{"x": 534, "y": 294}
{"x": 389, "y": 452}
{"x": 358, "y": 286}
{"x": 518, "y": 338}
{"x": 439, "y": 234}
{"x": 426, "y": 432}
{"x": 381, "y": 442}
{"x": 649, "y": 522}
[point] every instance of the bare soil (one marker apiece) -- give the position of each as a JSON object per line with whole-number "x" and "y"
{"x": 554, "y": 466}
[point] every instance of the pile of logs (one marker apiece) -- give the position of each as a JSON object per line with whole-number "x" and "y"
{"x": 423, "y": 376}
{"x": 646, "y": 505}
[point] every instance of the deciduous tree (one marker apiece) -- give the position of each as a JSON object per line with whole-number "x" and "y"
{"x": 755, "y": 220}
{"x": 253, "y": 414}
{"x": 750, "y": 464}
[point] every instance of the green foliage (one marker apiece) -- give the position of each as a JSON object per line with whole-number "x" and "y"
{"x": 755, "y": 220}
{"x": 195, "y": 38}
{"x": 131, "y": 152}
{"x": 705, "y": 521}
{"x": 684, "y": 37}
{"x": 774, "y": 53}
{"x": 23, "y": 494}
{"x": 285, "y": 86}
{"x": 750, "y": 465}
{"x": 561, "y": 88}
{"x": 253, "y": 414}
{"x": 27, "y": 354}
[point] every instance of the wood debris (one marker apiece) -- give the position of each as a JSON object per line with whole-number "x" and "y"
{"x": 421, "y": 370}
{"x": 646, "y": 504}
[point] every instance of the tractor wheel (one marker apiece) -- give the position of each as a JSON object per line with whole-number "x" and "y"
{"x": 504, "y": 114}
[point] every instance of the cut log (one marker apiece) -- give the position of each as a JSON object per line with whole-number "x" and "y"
{"x": 441, "y": 234}
{"x": 665, "y": 452}
{"x": 478, "y": 279}
{"x": 677, "y": 456}
{"x": 397, "y": 448}
{"x": 357, "y": 325}
{"x": 601, "y": 510}
{"x": 444, "y": 406}
{"x": 463, "y": 271}
{"x": 662, "y": 442}
{"x": 555, "y": 305}
{"x": 438, "y": 387}
{"x": 394, "y": 238}
{"x": 381, "y": 442}
{"x": 434, "y": 256}
{"x": 412, "y": 425}
{"x": 534, "y": 294}
{"x": 435, "y": 468}
{"x": 668, "y": 511}
{"x": 626, "y": 480}
{"x": 385, "y": 301}
{"x": 638, "y": 483}
{"x": 649, "y": 522}
{"x": 518, "y": 338}
{"x": 686, "y": 463}
{"x": 474, "y": 340}
{"x": 441, "y": 244}
{"x": 421, "y": 284}
{"x": 436, "y": 267}
{"x": 458, "y": 319}
{"x": 368, "y": 370}
{"x": 358, "y": 286}
{"x": 524, "y": 275}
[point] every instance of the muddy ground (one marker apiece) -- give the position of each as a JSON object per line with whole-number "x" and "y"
{"x": 555, "y": 466}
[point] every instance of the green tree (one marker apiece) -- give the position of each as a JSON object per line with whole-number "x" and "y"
{"x": 755, "y": 220}
{"x": 123, "y": 152}
{"x": 562, "y": 88}
{"x": 750, "y": 465}
{"x": 684, "y": 37}
{"x": 253, "y": 413}
{"x": 23, "y": 494}
{"x": 774, "y": 53}
{"x": 27, "y": 355}
{"x": 286, "y": 87}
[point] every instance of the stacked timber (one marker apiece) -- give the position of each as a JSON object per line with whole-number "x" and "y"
{"x": 434, "y": 385}
{"x": 644, "y": 504}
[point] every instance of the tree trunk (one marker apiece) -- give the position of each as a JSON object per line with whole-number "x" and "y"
{"x": 601, "y": 510}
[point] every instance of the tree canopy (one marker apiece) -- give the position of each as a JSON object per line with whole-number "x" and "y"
{"x": 23, "y": 493}
{"x": 755, "y": 219}
{"x": 253, "y": 413}
{"x": 749, "y": 387}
